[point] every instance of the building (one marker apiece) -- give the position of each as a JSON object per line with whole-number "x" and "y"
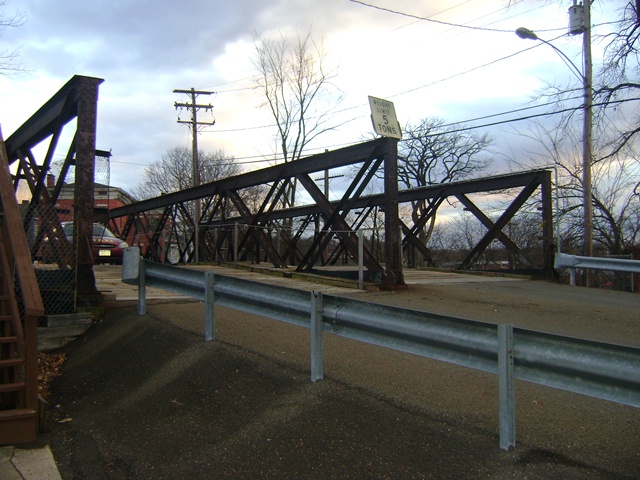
{"x": 106, "y": 198}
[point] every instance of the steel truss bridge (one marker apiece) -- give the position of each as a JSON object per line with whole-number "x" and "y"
{"x": 269, "y": 232}
{"x": 274, "y": 234}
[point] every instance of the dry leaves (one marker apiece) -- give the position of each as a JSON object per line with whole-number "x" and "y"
{"x": 49, "y": 367}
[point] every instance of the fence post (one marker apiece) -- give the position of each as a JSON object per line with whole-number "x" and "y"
{"x": 209, "y": 304}
{"x": 235, "y": 246}
{"x": 401, "y": 252}
{"x": 279, "y": 233}
{"x": 506, "y": 387}
{"x": 142, "y": 289}
{"x": 316, "y": 337}
{"x": 360, "y": 260}
{"x": 215, "y": 246}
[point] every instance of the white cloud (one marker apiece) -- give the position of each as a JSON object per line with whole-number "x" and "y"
{"x": 147, "y": 48}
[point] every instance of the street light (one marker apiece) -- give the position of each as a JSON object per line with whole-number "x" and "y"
{"x": 527, "y": 34}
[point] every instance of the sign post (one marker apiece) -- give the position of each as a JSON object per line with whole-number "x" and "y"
{"x": 383, "y": 117}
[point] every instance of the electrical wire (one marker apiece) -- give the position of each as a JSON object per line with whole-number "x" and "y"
{"x": 260, "y": 158}
{"x": 428, "y": 19}
{"x": 418, "y": 18}
{"x": 363, "y": 105}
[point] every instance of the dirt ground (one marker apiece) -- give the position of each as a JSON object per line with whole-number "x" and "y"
{"x": 146, "y": 397}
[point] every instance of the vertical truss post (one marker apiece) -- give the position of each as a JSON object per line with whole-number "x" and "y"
{"x": 392, "y": 244}
{"x": 84, "y": 184}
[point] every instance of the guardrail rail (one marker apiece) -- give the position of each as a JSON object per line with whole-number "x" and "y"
{"x": 600, "y": 370}
{"x": 573, "y": 262}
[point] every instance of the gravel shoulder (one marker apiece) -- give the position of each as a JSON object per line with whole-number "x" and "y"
{"x": 146, "y": 397}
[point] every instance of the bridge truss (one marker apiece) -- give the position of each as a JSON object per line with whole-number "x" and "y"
{"x": 232, "y": 228}
{"x": 327, "y": 231}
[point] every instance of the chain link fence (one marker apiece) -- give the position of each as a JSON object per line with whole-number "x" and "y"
{"x": 49, "y": 229}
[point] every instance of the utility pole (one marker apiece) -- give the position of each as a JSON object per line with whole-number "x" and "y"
{"x": 587, "y": 133}
{"x": 194, "y": 107}
{"x": 326, "y": 179}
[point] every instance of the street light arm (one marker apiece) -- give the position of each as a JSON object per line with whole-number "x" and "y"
{"x": 566, "y": 60}
{"x": 527, "y": 34}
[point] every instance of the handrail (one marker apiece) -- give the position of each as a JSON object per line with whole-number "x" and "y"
{"x": 16, "y": 240}
{"x": 18, "y": 268}
{"x": 16, "y": 324}
{"x": 597, "y": 369}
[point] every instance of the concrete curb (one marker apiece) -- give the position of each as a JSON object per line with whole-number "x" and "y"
{"x": 28, "y": 464}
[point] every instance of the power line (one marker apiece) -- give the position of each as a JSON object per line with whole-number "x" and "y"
{"x": 528, "y": 117}
{"x": 362, "y": 105}
{"x": 427, "y": 19}
{"x": 260, "y": 158}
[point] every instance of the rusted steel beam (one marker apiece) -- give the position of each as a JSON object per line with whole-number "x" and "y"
{"x": 257, "y": 232}
{"x": 495, "y": 229}
{"x": 435, "y": 191}
{"x": 333, "y": 159}
{"x": 493, "y": 232}
{"x": 392, "y": 242}
{"x": 87, "y": 107}
{"x": 42, "y": 124}
{"x": 411, "y": 239}
{"x": 337, "y": 223}
{"x": 411, "y": 233}
{"x": 335, "y": 217}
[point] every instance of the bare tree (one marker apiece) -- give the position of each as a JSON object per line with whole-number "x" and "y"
{"x": 619, "y": 78}
{"x": 297, "y": 90}
{"x": 9, "y": 57}
{"x": 431, "y": 153}
{"x": 174, "y": 172}
{"x": 616, "y": 203}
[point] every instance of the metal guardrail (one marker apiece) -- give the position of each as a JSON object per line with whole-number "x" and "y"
{"x": 573, "y": 262}
{"x": 600, "y": 370}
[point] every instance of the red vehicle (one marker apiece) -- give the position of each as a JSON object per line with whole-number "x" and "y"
{"x": 107, "y": 248}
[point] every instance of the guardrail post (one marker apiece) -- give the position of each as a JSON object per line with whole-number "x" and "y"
{"x": 316, "y": 337}
{"x": 506, "y": 387}
{"x": 209, "y": 304}
{"x": 142, "y": 290}
{"x": 572, "y": 277}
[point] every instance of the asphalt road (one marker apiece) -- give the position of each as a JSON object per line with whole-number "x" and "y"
{"x": 147, "y": 397}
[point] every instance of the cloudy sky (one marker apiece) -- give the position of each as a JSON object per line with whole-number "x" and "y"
{"x": 461, "y": 61}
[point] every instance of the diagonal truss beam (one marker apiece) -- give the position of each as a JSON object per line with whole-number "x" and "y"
{"x": 256, "y": 230}
{"x": 494, "y": 230}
